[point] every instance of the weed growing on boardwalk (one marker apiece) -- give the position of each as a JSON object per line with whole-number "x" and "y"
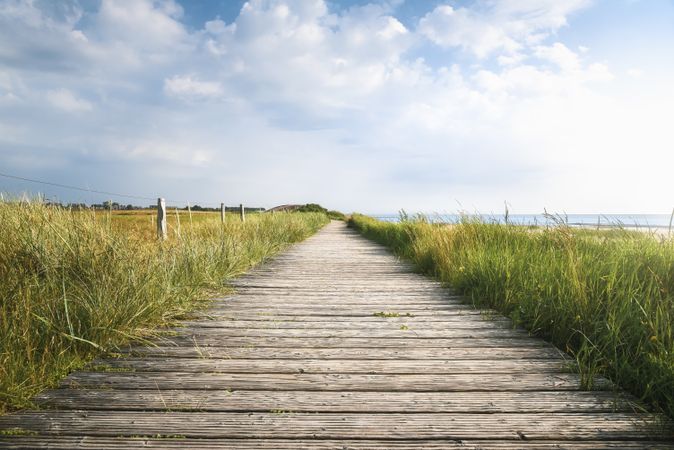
{"x": 17, "y": 432}
{"x": 76, "y": 283}
{"x": 606, "y": 297}
{"x": 108, "y": 368}
{"x": 154, "y": 436}
{"x": 390, "y": 314}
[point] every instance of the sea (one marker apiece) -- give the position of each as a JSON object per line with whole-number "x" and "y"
{"x": 640, "y": 221}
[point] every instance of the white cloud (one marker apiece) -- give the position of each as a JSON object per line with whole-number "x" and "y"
{"x": 449, "y": 27}
{"x": 560, "y": 55}
{"x": 67, "y": 101}
{"x": 145, "y": 23}
{"x": 531, "y": 16}
{"x": 322, "y": 64}
{"x": 491, "y": 26}
{"x": 187, "y": 87}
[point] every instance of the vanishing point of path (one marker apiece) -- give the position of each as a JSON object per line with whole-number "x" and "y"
{"x": 335, "y": 344}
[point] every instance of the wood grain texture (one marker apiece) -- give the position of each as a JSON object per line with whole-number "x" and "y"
{"x": 339, "y": 401}
{"x": 335, "y": 344}
{"x": 356, "y": 353}
{"x": 170, "y": 443}
{"x": 404, "y": 332}
{"x": 353, "y": 342}
{"x": 459, "y": 323}
{"x": 329, "y": 382}
{"x": 578, "y": 426}
{"x": 318, "y": 366}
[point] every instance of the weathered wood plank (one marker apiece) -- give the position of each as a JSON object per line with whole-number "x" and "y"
{"x": 350, "y": 289}
{"x": 436, "y": 366}
{"x": 168, "y": 443}
{"x": 342, "y": 425}
{"x": 223, "y": 314}
{"x": 461, "y": 324}
{"x": 312, "y": 401}
{"x": 400, "y": 353}
{"x": 355, "y": 302}
{"x": 364, "y": 311}
{"x": 238, "y": 341}
{"x": 402, "y": 332}
{"x": 329, "y": 382}
{"x": 370, "y": 307}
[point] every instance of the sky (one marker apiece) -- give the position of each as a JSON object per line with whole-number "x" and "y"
{"x": 368, "y": 105}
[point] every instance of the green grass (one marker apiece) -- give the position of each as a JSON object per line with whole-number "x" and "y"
{"x": 75, "y": 284}
{"x": 389, "y": 314}
{"x": 605, "y": 297}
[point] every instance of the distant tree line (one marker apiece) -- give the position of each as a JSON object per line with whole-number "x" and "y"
{"x": 315, "y": 207}
{"x": 115, "y": 206}
{"x": 227, "y": 209}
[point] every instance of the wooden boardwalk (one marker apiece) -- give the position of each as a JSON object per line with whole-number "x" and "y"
{"x": 335, "y": 344}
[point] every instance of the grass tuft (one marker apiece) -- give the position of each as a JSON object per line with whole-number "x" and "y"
{"x": 391, "y": 314}
{"x": 17, "y": 432}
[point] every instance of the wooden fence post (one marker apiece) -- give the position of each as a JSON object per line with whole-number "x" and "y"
{"x": 222, "y": 212}
{"x": 242, "y": 213}
{"x": 161, "y": 219}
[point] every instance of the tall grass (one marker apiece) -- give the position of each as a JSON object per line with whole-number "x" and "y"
{"x": 75, "y": 283}
{"x": 606, "y": 297}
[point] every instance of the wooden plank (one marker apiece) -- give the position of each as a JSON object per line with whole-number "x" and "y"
{"x": 312, "y": 401}
{"x": 352, "y": 290}
{"x": 435, "y": 366}
{"x": 413, "y": 324}
{"x": 313, "y": 303}
{"x": 347, "y": 290}
{"x": 348, "y": 286}
{"x": 328, "y": 382}
{"x": 206, "y": 341}
{"x": 298, "y": 272}
{"x": 365, "y": 310}
{"x": 400, "y": 332}
{"x": 223, "y": 314}
{"x": 370, "y": 310}
{"x": 307, "y": 301}
{"x": 341, "y": 426}
{"x": 355, "y": 300}
{"x": 400, "y": 353}
{"x": 168, "y": 443}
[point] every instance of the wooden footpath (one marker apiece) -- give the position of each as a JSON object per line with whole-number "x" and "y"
{"x": 335, "y": 344}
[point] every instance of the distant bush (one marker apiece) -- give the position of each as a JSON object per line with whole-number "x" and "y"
{"x": 312, "y": 207}
{"x": 336, "y": 215}
{"x": 316, "y": 208}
